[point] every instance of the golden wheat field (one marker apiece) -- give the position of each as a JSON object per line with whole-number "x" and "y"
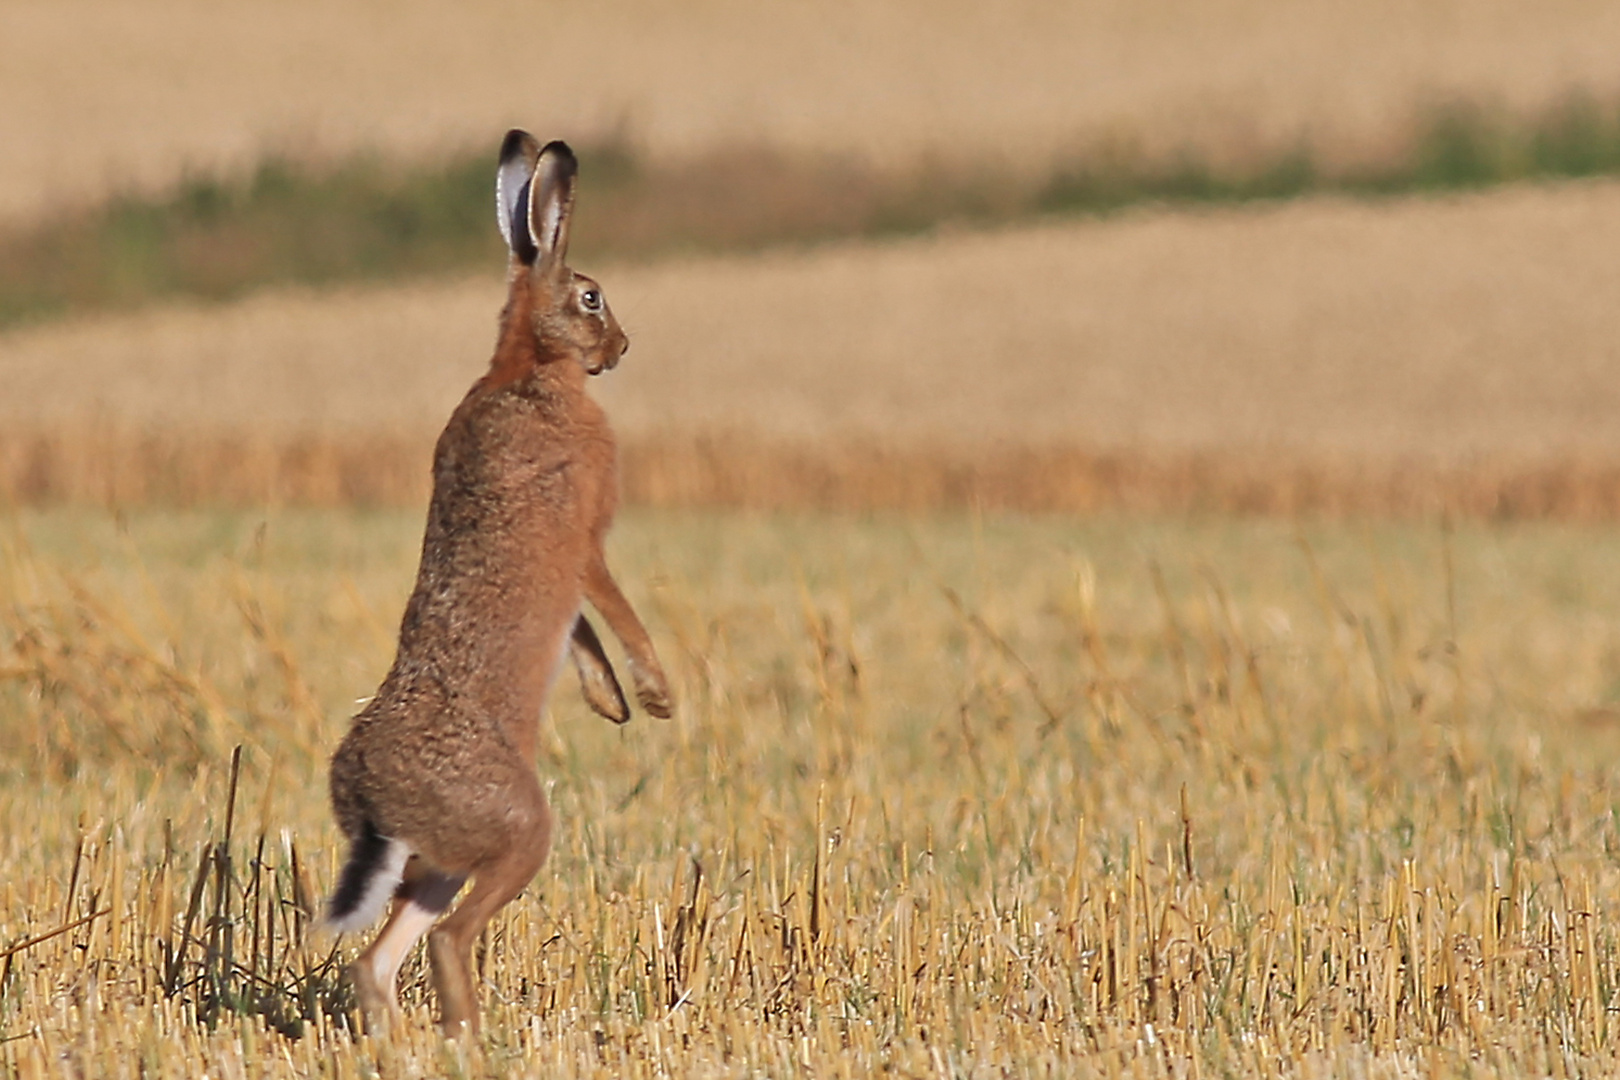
{"x": 109, "y": 95}
{"x": 945, "y": 797}
{"x": 1318, "y": 354}
{"x": 1448, "y": 327}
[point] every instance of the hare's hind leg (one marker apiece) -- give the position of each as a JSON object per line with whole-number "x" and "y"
{"x": 422, "y": 897}
{"x": 496, "y": 882}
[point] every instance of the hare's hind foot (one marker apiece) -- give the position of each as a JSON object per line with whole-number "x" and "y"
{"x": 379, "y": 1008}
{"x": 495, "y": 884}
{"x": 418, "y": 903}
{"x": 450, "y": 944}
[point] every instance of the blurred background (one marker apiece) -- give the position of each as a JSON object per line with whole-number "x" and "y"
{"x": 1301, "y": 255}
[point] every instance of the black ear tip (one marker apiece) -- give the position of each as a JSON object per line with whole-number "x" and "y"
{"x": 559, "y": 150}
{"x": 512, "y": 146}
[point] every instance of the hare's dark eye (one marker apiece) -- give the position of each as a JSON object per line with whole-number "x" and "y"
{"x": 592, "y": 299}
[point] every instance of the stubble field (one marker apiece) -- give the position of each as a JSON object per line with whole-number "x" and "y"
{"x": 944, "y": 797}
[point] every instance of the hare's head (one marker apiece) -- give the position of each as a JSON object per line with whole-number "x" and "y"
{"x": 534, "y": 195}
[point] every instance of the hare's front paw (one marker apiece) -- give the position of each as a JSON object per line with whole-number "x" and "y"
{"x": 602, "y": 692}
{"x": 653, "y": 692}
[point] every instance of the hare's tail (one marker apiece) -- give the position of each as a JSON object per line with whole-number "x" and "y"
{"x": 375, "y": 868}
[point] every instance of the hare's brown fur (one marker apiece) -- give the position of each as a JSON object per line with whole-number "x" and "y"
{"x": 441, "y": 760}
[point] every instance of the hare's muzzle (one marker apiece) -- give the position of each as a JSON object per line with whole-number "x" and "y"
{"x": 608, "y": 358}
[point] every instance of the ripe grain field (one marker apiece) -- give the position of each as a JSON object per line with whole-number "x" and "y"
{"x": 1326, "y": 355}
{"x": 136, "y": 94}
{"x": 945, "y": 796}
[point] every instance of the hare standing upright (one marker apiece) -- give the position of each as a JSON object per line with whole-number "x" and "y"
{"x": 435, "y": 782}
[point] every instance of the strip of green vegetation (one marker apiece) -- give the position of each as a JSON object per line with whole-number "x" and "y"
{"x": 220, "y": 237}
{"x": 1460, "y": 147}
{"x": 366, "y": 219}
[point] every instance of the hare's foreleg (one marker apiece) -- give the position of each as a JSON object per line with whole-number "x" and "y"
{"x": 496, "y": 883}
{"x": 596, "y": 678}
{"x": 652, "y": 689}
{"x": 419, "y": 901}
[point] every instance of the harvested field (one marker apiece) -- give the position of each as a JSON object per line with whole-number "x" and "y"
{"x": 110, "y": 95}
{"x": 945, "y": 797}
{"x": 1328, "y": 354}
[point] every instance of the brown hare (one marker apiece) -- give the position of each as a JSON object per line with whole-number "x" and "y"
{"x": 435, "y": 782}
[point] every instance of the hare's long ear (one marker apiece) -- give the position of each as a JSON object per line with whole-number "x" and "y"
{"x": 551, "y": 203}
{"x": 519, "y": 152}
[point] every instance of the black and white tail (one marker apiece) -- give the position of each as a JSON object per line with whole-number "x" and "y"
{"x": 375, "y": 868}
